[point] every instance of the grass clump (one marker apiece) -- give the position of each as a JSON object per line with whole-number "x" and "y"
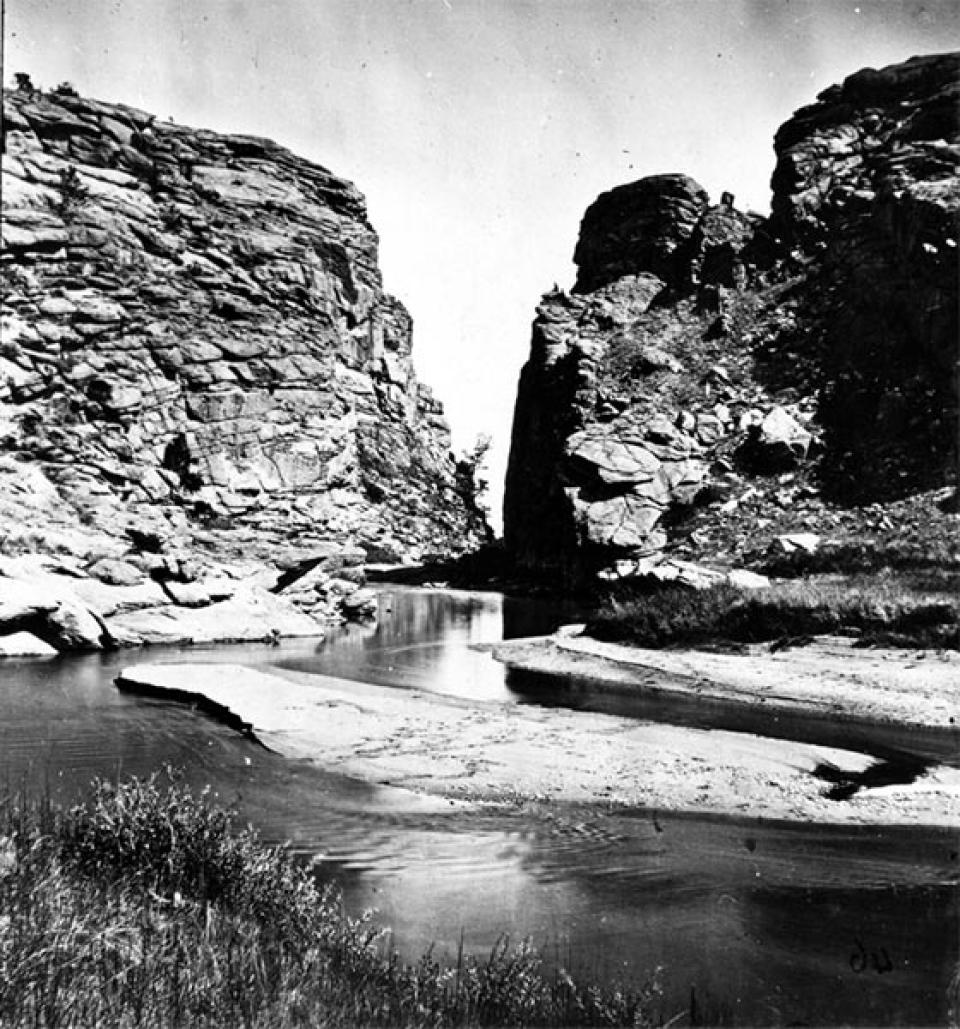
{"x": 144, "y": 906}
{"x": 919, "y": 556}
{"x": 876, "y": 613}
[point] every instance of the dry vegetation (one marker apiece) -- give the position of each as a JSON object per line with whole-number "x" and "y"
{"x": 907, "y": 610}
{"x": 144, "y": 907}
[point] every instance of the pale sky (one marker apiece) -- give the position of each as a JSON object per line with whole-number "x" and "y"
{"x": 480, "y": 130}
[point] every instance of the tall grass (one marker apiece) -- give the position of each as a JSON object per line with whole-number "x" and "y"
{"x": 145, "y": 907}
{"x": 877, "y": 613}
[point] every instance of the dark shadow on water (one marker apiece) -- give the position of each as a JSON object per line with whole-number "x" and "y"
{"x": 899, "y": 746}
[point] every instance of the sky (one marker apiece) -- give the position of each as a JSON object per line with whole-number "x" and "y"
{"x": 480, "y": 130}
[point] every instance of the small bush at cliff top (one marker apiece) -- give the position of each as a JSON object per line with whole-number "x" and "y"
{"x": 143, "y": 906}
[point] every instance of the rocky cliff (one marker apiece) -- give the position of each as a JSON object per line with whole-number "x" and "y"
{"x": 717, "y": 379}
{"x": 199, "y": 361}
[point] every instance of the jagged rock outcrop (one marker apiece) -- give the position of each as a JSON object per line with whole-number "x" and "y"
{"x": 198, "y": 360}
{"x": 866, "y": 187}
{"x": 645, "y": 226}
{"x": 716, "y": 378}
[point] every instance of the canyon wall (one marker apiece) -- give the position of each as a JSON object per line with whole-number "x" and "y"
{"x": 717, "y": 378}
{"x": 198, "y": 356}
{"x": 196, "y": 323}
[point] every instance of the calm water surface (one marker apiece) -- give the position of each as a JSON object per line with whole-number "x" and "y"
{"x": 766, "y": 925}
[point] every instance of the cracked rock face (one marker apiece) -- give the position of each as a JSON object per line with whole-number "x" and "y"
{"x": 643, "y": 227}
{"x": 867, "y": 183}
{"x": 705, "y": 351}
{"x": 195, "y": 335}
{"x": 629, "y": 470}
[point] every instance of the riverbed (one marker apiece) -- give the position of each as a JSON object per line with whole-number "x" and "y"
{"x": 765, "y": 922}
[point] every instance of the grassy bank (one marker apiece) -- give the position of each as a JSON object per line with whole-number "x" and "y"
{"x": 145, "y": 907}
{"x": 879, "y": 612}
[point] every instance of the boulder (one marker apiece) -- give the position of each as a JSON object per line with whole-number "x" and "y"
{"x": 625, "y": 522}
{"x": 782, "y": 434}
{"x": 791, "y": 542}
{"x": 25, "y": 644}
{"x": 71, "y": 626}
{"x": 251, "y": 615}
{"x": 747, "y": 580}
{"x": 651, "y": 359}
{"x": 628, "y": 472}
{"x": 312, "y": 574}
{"x": 107, "y": 599}
{"x": 660, "y": 571}
{"x": 188, "y": 594}
{"x": 612, "y": 456}
{"x": 359, "y": 606}
{"x": 114, "y": 572}
{"x": 20, "y": 602}
{"x": 54, "y": 614}
{"x": 645, "y": 226}
{"x": 778, "y": 443}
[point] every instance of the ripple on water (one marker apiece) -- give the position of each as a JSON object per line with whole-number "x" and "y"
{"x": 757, "y": 917}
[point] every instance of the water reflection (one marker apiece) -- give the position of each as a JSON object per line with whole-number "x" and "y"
{"x": 762, "y": 920}
{"x": 423, "y": 639}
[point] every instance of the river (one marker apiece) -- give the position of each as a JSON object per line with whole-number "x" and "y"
{"x": 759, "y": 923}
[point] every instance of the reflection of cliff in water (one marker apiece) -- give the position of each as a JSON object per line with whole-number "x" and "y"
{"x": 424, "y": 615}
{"x": 433, "y": 616}
{"x": 423, "y": 638}
{"x": 528, "y": 617}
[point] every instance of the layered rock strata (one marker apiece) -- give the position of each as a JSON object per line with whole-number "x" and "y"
{"x": 766, "y": 371}
{"x": 199, "y": 363}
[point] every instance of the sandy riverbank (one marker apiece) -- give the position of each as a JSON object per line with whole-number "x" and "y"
{"x": 467, "y": 751}
{"x": 914, "y": 690}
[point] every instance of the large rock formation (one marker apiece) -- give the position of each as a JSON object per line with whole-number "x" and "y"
{"x": 765, "y": 371}
{"x": 866, "y": 188}
{"x": 198, "y": 358}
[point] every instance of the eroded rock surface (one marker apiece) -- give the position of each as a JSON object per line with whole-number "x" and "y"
{"x": 717, "y": 379}
{"x": 200, "y": 369}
